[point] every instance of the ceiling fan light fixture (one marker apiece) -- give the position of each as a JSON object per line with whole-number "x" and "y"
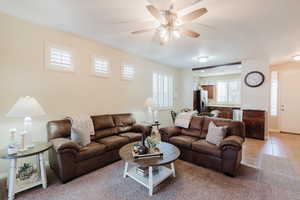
{"x": 296, "y": 58}
{"x": 176, "y": 34}
{"x": 203, "y": 59}
{"x": 178, "y": 22}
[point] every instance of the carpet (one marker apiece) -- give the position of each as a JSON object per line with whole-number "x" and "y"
{"x": 191, "y": 183}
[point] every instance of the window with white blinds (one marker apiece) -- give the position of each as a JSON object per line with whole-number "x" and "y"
{"x": 274, "y": 93}
{"x": 229, "y": 92}
{"x": 59, "y": 58}
{"x": 163, "y": 90}
{"x": 127, "y": 72}
{"x": 100, "y": 67}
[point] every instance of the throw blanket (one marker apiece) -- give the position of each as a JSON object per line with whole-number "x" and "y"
{"x": 183, "y": 119}
{"x": 82, "y": 128}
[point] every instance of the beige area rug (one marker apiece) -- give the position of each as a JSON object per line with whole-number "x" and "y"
{"x": 275, "y": 180}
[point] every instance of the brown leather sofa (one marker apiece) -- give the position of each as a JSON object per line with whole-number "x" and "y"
{"x": 68, "y": 160}
{"x": 194, "y": 148}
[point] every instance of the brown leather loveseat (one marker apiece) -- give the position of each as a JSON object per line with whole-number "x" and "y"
{"x": 68, "y": 160}
{"x": 194, "y": 148}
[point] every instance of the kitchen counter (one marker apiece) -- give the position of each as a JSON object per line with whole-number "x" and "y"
{"x": 225, "y": 106}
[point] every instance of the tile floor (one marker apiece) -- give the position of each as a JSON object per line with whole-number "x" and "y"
{"x": 278, "y": 144}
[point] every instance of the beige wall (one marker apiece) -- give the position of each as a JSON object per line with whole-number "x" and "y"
{"x": 22, "y": 72}
{"x": 274, "y": 122}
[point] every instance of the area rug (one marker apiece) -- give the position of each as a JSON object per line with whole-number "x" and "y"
{"x": 192, "y": 182}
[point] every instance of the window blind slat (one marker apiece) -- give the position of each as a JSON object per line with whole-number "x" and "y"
{"x": 162, "y": 90}
{"x": 60, "y": 58}
{"x": 127, "y": 72}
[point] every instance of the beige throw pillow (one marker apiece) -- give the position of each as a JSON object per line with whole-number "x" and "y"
{"x": 215, "y": 133}
{"x": 81, "y": 138}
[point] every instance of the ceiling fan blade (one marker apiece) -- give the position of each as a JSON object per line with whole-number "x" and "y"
{"x": 189, "y": 33}
{"x": 154, "y": 12}
{"x": 193, "y": 15}
{"x": 143, "y": 31}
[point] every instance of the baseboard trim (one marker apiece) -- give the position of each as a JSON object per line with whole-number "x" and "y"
{"x": 274, "y": 130}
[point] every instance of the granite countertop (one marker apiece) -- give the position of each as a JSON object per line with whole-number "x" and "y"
{"x": 225, "y": 106}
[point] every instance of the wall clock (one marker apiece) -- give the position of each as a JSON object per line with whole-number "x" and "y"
{"x": 254, "y": 79}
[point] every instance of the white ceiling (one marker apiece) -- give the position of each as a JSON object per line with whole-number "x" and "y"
{"x": 234, "y": 29}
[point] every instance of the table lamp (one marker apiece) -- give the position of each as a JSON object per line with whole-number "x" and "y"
{"x": 27, "y": 107}
{"x": 149, "y": 103}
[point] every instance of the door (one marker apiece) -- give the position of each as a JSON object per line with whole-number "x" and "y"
{"x": 289, "y": 107}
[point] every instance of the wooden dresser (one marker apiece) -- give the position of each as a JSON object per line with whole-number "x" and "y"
{"x": 255, "y": 123}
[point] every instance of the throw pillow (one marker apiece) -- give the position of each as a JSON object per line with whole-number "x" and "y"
{"x": 80, "y": 137}
{"x": 215, "y": 133}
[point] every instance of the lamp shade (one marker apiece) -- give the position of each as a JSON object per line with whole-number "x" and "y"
{"x": 26, "y": 107}
{"x": 149, "y": 102}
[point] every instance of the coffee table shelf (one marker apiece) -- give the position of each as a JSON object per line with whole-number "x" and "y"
{"x": 158, "y": 177}
{"x": 170, "y": 154}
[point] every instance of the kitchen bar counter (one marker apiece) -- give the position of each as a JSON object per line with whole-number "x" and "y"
{"x": 224, "y": 106}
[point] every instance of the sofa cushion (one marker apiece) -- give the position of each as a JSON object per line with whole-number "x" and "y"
{"x": 202, "y": 146}
{"x": 195, "y": 127}
{"x": 233, "y": 127}
{"x": 105, "y": 132}
{"x": 183, "y": 141}
{"x": 124, "y": 122}
{"x": 113, "y": 142}
{"x": 132, "y": 136}
{"x": 90, "y": 151}
{"x": 103, "y": 122}
{"x": 104, "y": 126}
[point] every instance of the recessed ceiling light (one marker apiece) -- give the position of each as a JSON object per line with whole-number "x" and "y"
{"x": 297, "y": 57}
{"x": 202, "y": 71}
{"x": 203, "y": 59}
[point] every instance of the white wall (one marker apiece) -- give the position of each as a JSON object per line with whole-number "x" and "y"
{"x": 22, "y": 72}
{"x": 186, "y": 88}
{"x": 258, "y": 97}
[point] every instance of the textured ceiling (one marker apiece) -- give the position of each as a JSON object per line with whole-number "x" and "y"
{"x": 232, "y": 30}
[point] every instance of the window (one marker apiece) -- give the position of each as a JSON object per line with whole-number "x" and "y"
{"x": 100, "y": 67}
{"x": 59, "y": 58}
{"x": 127, "y": 72}
{"x": 228, "y": 92}
{"x": 274, "y": 93}
{"x": 163, "y": 88}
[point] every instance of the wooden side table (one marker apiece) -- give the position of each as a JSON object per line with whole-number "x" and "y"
{"x": 38, "y": 151}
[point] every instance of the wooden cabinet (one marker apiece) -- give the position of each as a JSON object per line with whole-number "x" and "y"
{"x": 255, "y": 123}
{"x": 225, "y": 112}
{"x": 210, "y": 90}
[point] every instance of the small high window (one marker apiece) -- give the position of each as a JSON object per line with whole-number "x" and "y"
{"x": 127, "y": 72}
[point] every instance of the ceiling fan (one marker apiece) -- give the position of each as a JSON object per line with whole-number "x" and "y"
{"x": 170, "y": 23}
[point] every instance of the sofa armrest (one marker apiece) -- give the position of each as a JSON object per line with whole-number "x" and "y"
{"x": 145, "y": 130}
{"x": 232, "y": 142}
{"x": 62, "y": 144}
{"x": 168, "y": 132}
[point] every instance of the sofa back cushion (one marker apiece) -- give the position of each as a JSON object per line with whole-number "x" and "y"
{"x": 124, "y": 122}
{"x": 104, "y": 126}
{"x": 59, "y": 129}
{"x": 195, "y": 127}
{"x": 233, "y": 127}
